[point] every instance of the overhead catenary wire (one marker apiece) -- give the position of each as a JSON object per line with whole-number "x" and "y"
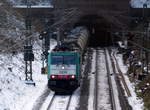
{"x": 18, "y": 43}
{"x": 67, "y": 17}
{"x": 139, "y": 46}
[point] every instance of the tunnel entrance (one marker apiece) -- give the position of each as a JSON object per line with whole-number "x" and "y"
{"x": 100, "y": 36}
{"x": 99, "y": 30}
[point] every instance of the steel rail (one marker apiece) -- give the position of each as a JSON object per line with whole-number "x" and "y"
{"x": 96, "y": 84}
{"x": 68, "y": 105}
{"x": 41, "y": 99}
{"x": 122, "y": 77}
{"x": 122, "y": 99}
{"x": 52, "y": 102}
{"x": 84, "y": 92}
{"x": 113, "y": 104}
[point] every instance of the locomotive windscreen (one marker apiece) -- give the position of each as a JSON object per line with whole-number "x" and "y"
{"x": 64, "y": 59}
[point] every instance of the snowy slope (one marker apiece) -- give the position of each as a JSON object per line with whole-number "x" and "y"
{"x": 14, "y": 93}
{"x": 12, "y": 29}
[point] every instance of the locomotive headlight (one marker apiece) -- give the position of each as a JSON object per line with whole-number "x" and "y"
{"x": 72, "y": 76}
{"x": 63, "y": 67}
{"x": 53, "y": 76}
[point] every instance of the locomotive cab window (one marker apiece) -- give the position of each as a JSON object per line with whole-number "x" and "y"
{"x": 67, "y": 60}
{"x": 57, "y": 60}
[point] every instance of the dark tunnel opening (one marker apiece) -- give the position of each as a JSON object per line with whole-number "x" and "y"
{"x": 99, "y": 30}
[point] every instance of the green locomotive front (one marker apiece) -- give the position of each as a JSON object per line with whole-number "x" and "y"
{"x": 63, "y": 71}
{"x": 64, "y": 62}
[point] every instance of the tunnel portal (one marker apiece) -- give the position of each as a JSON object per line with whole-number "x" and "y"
{"x": 99, "y": 30}
{"x": 98, "y": 16}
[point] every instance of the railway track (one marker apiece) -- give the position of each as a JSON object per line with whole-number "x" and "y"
{"x": 102, "y": 76}
{"x": 117, "y": 98}
{"x": 60, "y": 102}
{"x": 122, "y": 77}
{"x": 112, "y": 96}
{"x": 107, "y": 80}
{"x": 83, "y": 104}
{"x": 122, "y": 98}
{"x": 52, "y": 101}
{"x": 41, "y": 99}
{"x": 96, "y": 85}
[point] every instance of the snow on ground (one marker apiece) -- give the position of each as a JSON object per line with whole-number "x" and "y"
{"x": 114, "y": 85}
{"x": 14, "y": 93}
{"x": 139, "y": 3}
{"x": 46, "y": 103}
{"x": 121, "y": 44}
{"x": 92, "y": 82}
{"x": 134, "y": 101}
{"x": 60, "y": 102}
{"x": 103, "y": 87}
{"x": 75, "y": 100}
{"x": 103, "y": 97}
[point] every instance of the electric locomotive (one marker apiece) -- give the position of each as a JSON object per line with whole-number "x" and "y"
{"x": 64, "y": 62}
